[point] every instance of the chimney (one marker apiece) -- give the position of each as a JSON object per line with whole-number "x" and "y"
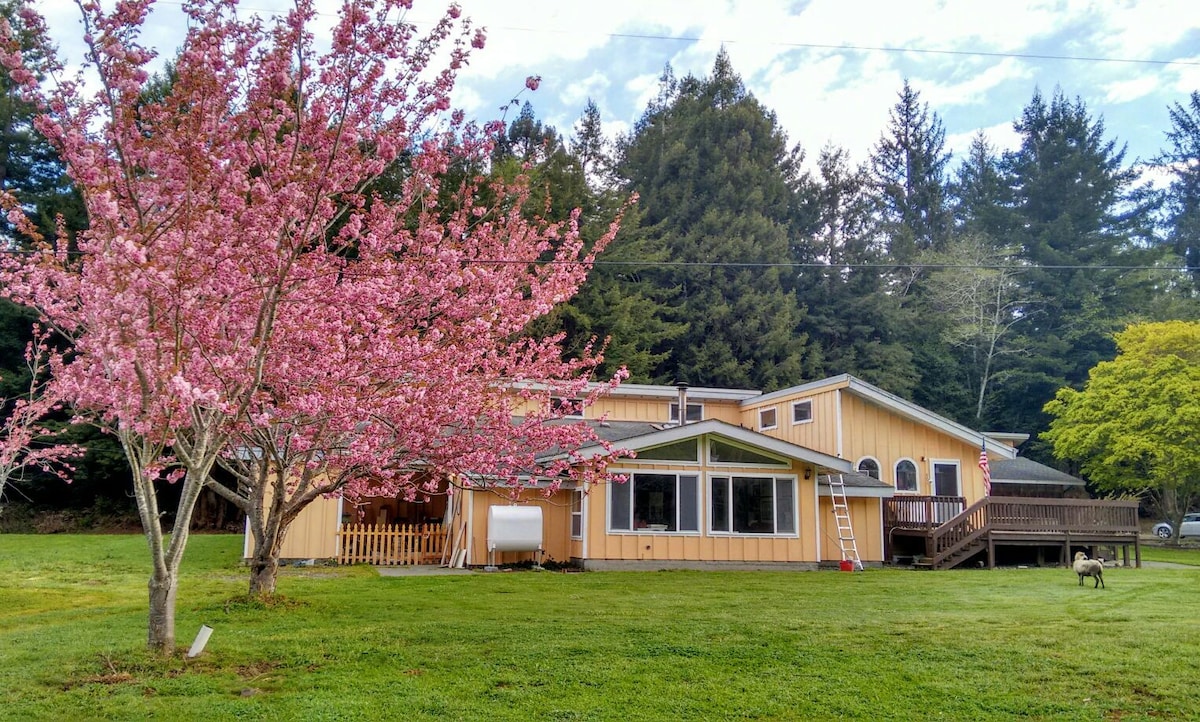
{"x": 682, "y": 387}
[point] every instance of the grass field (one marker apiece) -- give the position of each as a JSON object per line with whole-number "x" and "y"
{"x": 348, "y": 644}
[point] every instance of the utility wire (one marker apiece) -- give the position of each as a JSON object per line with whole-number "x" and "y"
{"x": 785, "y": 44}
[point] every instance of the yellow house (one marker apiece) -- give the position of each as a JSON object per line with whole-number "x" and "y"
{"x": 743, "y": 482}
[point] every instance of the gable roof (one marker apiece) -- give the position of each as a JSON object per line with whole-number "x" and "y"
{"x": 860, "y": 485}
{"x": 635, "y": 435}
{"x": 1027, "y": 471}
{"x": 901, "y": 407}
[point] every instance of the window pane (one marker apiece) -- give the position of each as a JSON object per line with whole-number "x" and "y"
{"x": 723, "y": 453}
{"x": 720, "y": 503}
{"x": 576, "y": 514}
{"x": 906, "y": 476}
{"x": 689, "y": 503}
{"x": 695, "y": 412}
{"x": 785, "y": 516}
{"x": 654, "y": 502}
{"x": 686, "y": 450}
{"x": 753, "y": 505}
{"x": 870, "y": 467}
{"x": 619, "y": 512}
{"x": 801, "y": 411}
{"x": 766, "y": 418}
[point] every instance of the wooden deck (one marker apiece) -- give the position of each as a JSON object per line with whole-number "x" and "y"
{"x": 939, "y": 533}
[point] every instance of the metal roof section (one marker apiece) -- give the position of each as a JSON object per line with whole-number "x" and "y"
{"x": 694, "y": 393}
{"x": 640, "y": 435}
{"x": 1027, "y": 471}
{"x": 860, "y": 485}
{"x": 904, "y": 408}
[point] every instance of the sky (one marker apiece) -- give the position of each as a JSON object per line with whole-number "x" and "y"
{"x": 829, "y": 69}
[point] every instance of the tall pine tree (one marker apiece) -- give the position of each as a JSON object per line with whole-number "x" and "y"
{"x": 718, "y": 201}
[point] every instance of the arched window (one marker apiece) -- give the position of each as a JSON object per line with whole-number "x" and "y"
{"x": 869, "y": 466}
{"x": 906, "y": 476}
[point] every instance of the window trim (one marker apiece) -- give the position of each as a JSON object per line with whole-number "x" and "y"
{"x": 774, "y": 411}
{"x": 690, "y": 462}
{"x": 576, "y": 514}
{"x": 896, "y": 476}
{"x": 780, "y": 462}
{"x": 629, "y": 475}
{"x": 802, "y": 402}
{"x": 673, "y": 412}
{"x": 775, "y": 479}
{"x": 878, "y": 466}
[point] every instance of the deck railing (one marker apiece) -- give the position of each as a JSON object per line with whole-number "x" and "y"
{"x": 921, "y": 512}
{"x": 391, "y": 544}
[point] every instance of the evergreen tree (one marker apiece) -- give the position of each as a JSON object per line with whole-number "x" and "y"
{"x": 851, "y": 317}
{"x": 908, "y": 167}
{"x": 1182, "y": 159}
{"x": 980, "y": 195}
{"x": 718, "y": 190}
{"x": 1077, "y": 210}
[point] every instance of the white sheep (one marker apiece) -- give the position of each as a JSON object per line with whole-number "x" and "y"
{"x": 1085, "y": 567}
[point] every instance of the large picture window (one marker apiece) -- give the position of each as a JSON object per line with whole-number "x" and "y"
{"x": 656, "y": 502}
{"x": 753, "y": 505}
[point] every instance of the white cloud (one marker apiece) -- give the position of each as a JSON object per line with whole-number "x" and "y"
{"x": 1125, "y": 91}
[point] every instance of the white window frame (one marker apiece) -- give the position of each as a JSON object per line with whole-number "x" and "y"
{"x": 896, "y": 476}
{"x": 780, "y": 463}
{"x": 577, "y": 514}
{"x": 775, "y": 479}
{"x": 802, "y": 402}
{"x": 774, "y": 412}
{"x": 673, "y": 413}
{"x": 878, "y": 465}
{"x": 630, "y": 478}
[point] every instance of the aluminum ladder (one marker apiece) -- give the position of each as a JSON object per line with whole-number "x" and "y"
{"x": 841, "y": 513}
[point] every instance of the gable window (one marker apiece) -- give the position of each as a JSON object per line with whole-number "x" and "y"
{"x": 686, "y": 450}
{"x": 695, "y": 412}
{"x": 752, "y": 505}
{"x": 906, "y": 476}
{"x": 767, "y": 418}
{"x": 870, "y": 467}
{"x": 802, "y": 412}
{"x": 720, "y": 452}
{"x": 656, "y": 502}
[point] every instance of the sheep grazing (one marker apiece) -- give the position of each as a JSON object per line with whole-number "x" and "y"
{"x": 1085, "y": 567}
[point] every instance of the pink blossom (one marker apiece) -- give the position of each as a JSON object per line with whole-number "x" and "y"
{"x": 533, "y": 81}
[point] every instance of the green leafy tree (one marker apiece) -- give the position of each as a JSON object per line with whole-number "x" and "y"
{"x": 718, "y": 189}
{"x": 1133, "y": 427}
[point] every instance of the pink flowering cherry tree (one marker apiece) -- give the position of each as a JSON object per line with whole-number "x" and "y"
{"x": 244, "y": 297}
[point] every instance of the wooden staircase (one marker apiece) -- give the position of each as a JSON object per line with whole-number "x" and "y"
{"x": 998, "y": 521}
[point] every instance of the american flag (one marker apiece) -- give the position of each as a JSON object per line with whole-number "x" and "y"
{"x": 987, "y": 470}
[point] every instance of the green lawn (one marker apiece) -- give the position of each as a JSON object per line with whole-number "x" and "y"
{"x": 347, "y": 644}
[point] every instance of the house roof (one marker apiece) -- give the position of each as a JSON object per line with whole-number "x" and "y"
{"x": 694, "y": 393}
{"x": 894, "y": 403}
{"x": 1027, "y": 471}
{"x": 635, "y": 435}
{"x": 859, "y": 485}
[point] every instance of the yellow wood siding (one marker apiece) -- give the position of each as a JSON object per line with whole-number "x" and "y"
{"x": 313, "y": 535}
{"x": 871, "y": 430}
{"x": 556, "y": 526}
{"x": 658, "y": 410}
{"x": 820, "y": 434}
{"x": 866, "y": 520}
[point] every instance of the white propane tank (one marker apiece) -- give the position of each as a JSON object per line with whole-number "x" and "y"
{"x": 513, "y": 529}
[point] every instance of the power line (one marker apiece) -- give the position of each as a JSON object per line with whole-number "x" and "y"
{"x": 786, "y": 44}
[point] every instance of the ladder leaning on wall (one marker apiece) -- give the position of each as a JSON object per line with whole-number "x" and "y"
{"x": 841, "y": 513}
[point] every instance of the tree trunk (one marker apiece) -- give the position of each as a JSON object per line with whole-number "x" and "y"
{"x": 264, "y": 563}
{"x": 161, "y": 630}
{"x": 264, "y": 570}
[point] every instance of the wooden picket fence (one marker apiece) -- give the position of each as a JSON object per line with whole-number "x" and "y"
{"x": 391, "y": 544}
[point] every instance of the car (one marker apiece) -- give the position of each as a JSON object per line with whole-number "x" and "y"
{"x": 1191, "y": 527}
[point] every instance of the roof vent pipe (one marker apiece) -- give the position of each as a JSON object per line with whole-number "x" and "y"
{"x": 682, "y": 387}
